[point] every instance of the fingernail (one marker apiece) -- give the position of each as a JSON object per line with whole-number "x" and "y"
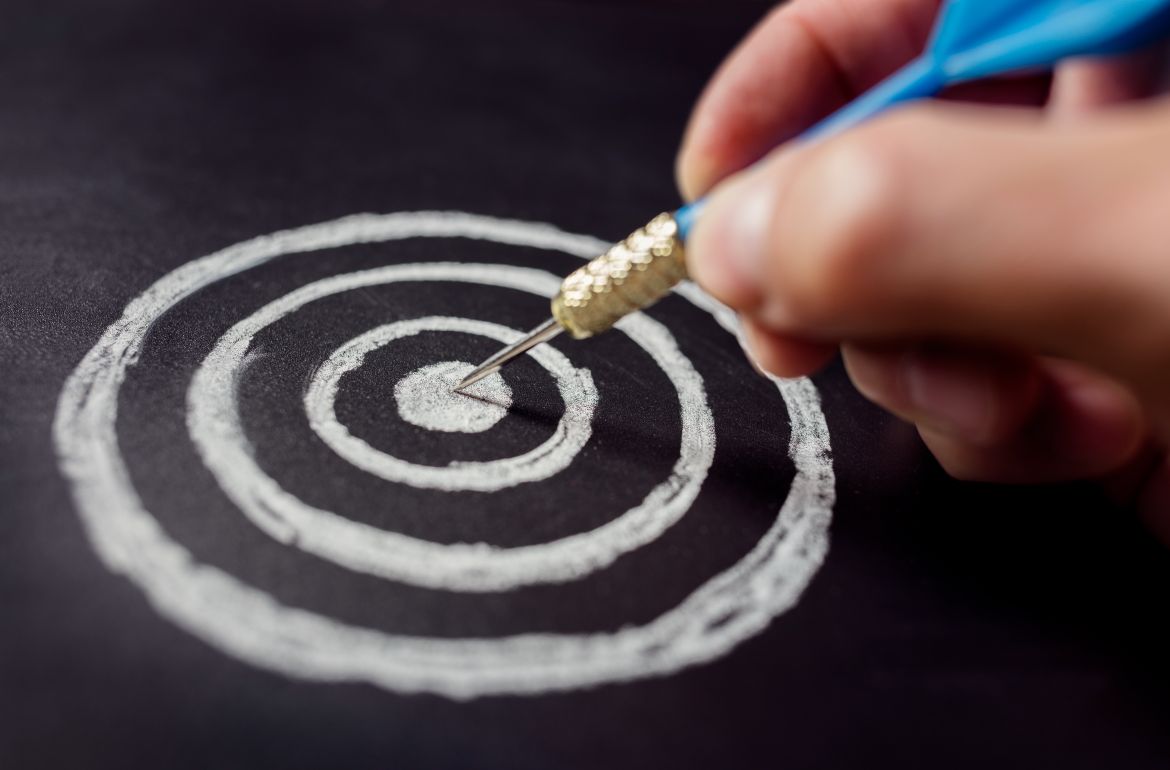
{"x": 957, "y": 403}
{"x": 750, "y": 344}
{"x": 728, "y": 249}
{"x": 748, "y": 207}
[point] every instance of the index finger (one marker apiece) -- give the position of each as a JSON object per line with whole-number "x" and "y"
{"x": 801, "y": 62}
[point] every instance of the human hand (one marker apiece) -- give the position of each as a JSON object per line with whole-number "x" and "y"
{"x": 999, "y": 277}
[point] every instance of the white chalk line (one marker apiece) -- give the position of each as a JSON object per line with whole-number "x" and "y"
{"x": 247, "y": 623}
{"x": 553, "y": 455}
{"x": 216, "y": 428}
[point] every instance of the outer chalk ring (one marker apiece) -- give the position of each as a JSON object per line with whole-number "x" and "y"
{"x": 552, "y": 456}
{"x": 216, "y": 428}
{"x": 249, "y": 624}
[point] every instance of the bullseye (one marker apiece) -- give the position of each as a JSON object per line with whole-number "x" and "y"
{"x": 427, "y": 400}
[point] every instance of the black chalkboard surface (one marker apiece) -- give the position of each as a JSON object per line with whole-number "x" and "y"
{"x": 240, "y": 530}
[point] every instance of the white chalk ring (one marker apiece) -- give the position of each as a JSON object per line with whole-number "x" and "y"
{"x": 216, "y": 427}
{"x": 549, "y": 458}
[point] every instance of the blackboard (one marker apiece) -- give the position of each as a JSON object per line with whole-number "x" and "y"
{"x": 913, "y": 620}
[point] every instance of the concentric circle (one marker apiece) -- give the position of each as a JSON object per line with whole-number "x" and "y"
{"x": 250, "y": 624}
{"x": 216, "y": 428}
{"x": 552, "y": 456}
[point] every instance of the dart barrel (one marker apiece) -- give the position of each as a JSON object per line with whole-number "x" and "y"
{"x": 632, "y": 275}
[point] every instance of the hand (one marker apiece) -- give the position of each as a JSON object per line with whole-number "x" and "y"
{"x": 998, "y": 276}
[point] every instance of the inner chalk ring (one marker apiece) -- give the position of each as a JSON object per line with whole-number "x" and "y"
{"x": 248, "y": 623}
{"x": 549, "y": 458}
{"x": 215, "y": 425}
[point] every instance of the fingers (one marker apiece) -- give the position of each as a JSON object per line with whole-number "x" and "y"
{"x": 980, "y": 397}
{"x": 1083, "y": 427}
{"x": 804, "y": 60}
{"x": 809, "y": 57}
{"x": 957, "y": 223}
{"x": 1084, "y": 85}
{"x": 784, "y": 356}
{"x": 1002, "y": 418}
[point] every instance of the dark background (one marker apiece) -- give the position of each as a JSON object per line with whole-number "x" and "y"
{"x": 952, "y": 625}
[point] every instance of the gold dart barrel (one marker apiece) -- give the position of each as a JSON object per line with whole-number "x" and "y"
{"x": 633, "y": 274}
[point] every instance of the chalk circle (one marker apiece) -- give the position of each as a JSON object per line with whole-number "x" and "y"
{"x": 549, "y": 458}
{"x": 427, "y": 399}
{"x": 216, "y": 428}
{"x": 251, "y": 625}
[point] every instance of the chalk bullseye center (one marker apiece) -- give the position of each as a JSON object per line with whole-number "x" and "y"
{"x": 425, "y": 398}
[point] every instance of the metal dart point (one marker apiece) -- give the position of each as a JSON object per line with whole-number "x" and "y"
{"x": 543, "y": 333}
{"x": 632, "y": 275}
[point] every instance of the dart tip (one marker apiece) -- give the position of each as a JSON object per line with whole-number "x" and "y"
{"x": 542, "y": 333}
{"x": 478, "y": 374}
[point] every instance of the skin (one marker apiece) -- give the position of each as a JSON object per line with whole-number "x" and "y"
{"x": 994, "y": 267}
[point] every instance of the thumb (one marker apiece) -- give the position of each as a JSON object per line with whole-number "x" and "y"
{"x": 956, "y": 222}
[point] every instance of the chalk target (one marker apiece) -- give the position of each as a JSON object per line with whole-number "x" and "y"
{"x": 250, "y": 624}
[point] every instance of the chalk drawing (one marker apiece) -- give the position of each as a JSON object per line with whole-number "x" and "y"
{"x": 251, "y": 625}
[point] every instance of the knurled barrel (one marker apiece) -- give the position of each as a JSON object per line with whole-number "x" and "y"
{"x": 633, "y": 274}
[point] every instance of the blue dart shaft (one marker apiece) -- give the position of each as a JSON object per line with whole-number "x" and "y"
{"x": 975, "y": 39}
